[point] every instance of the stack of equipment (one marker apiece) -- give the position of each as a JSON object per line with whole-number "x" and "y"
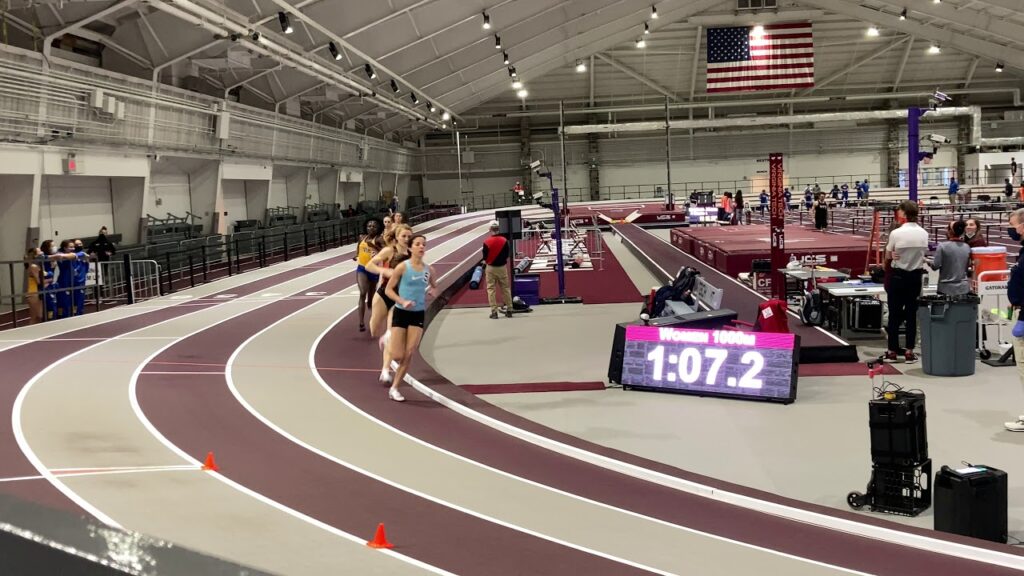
{"x": 900, "y": 468}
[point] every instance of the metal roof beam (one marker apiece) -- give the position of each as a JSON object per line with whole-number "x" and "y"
{"x": 987, "y": 23}
{"x": 637, "y": 76}
{"x": 847, "y": 69}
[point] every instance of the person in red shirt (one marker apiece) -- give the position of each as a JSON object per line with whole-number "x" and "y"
{"x": 496, "y": 251}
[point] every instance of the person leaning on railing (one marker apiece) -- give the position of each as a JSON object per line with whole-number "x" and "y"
{"x": 1015, "y": 294}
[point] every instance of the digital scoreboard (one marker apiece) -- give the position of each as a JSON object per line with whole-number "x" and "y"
{"x": 750, "y": 365}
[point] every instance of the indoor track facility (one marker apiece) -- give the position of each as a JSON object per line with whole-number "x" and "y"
{"x": 503, "y": 287}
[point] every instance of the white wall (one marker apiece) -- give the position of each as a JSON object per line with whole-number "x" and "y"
{"x": 73, "y": 206}
{"x": 234, "y": 201}
{"x": 205, "y": 199}
{"x": 327, "y": 187}
{"x": 257, "y": 192}
{"x": 296, "y": 191}
{"x": 172, "y": 192}
{"x": 349, "y": 194}
{"x": 278, "y": 192}
{"x": 126, "y": 195}
{"x": 15, "y": 210}
{"x": 447, "y": 190}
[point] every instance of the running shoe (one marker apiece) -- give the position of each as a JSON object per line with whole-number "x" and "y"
{"x": 909, "y": 357}
{"x": 395, "y": 395}
{"x": 382, "y": 342}
{"x": 1017, "y": 426}
{"x": 889, "y": 356}
{"x": 385, "y": 377}
{"x": 494, "y": 315}
{"x": 508, "y": 313}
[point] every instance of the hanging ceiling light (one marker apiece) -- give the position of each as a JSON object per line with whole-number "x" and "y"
{"x": 504, "y": 56}
{"x": 431, "y": 107}
{"x": 487, "y": 21}
{"x": 512, "y": 72}
{"x": 516, "y": 84}
{"x": 333, "y": 49}
{"x": 580, "y": 66}
{"x": 934, "y": 49}
{"x": 999, "y": 66}
{"x": 256, "y": 36}
{"x": 446, "y": 115}
{"x": 394, "y": 86}
{"x": 497, "y": 42}
{"x": 640, "y": 43}
{"x": 647, "y": 28}
{"x": 873, "y": 31}
{"x": 286, "y": 25}
{"x": 522, "y": 93}
{"x": 412, "y": 96}
{"x": 903, "y": 14}
{"x": 369, "y": 71}
{"x": 654, "y": 12}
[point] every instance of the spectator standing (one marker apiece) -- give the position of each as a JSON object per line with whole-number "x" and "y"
{"x": 763, "y": 199}
{"x": 1008, "y": 188}
{"x": 866, "y": 190}
{"x": 954, "y": 189}
{"x": 1013, "y": 168}
{"x": 973, "y": 235}
{"x": 808, "y": 199}
{"x": 952, "y": 259}
{"x": 496, "y": 252}
{"x": 906, "y": 249}
{"x": 845, "y": 188}
{"x": 1015, "y": 294}
{"x": 788, "y": 196}
{"x": 48, "y": 253}
{"x": 835, "y": 192}
{"x": 821, "y": 212}
{"x": 80, "y": 266}
{"x": 740, "y": 209}
{"x": 102, "y": 248}
{"x": 33, "y": 285}
{"x": 65, "y": 278}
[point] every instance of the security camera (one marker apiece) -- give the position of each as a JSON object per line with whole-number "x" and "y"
{"x": 940, "y": 96}
{"x": 939, "y": 139}
{"x": 536, "y": 164}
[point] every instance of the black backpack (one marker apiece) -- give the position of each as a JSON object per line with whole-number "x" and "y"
{"x": 678, "y": 290}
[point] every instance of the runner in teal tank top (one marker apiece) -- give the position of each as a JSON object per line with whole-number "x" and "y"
{"x": 410, "y": 284}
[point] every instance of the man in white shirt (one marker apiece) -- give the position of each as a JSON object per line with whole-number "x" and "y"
{"x": 905, "y": 251}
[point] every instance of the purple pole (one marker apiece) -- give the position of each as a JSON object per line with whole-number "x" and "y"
{"x": 913, "y": 138}
{"x": 559, "y": 265}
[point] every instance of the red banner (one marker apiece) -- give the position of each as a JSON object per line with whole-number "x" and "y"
{"x": 778, "y": 224}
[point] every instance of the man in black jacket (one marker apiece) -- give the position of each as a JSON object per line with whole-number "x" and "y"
{"x": 102, "y": 247}
{"x": 1015, "y": 293}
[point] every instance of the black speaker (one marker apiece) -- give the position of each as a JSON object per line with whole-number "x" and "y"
{"x": 709, "y": 320}
{"x": 972, "y": 502}
{"x": 898, "y": 429}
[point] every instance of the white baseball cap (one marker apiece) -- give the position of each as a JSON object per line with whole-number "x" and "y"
{"x": 494, "y": 224}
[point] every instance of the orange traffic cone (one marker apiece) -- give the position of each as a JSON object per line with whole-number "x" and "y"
{"x": 379, "y": 539}
{"x": 210, "y": 464}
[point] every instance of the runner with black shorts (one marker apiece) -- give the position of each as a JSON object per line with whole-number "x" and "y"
{"x": 410, "y": 284}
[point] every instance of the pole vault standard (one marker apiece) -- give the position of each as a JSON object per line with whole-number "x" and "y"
{"x": 778, "y": 225}
{"x": 557, "y": 236}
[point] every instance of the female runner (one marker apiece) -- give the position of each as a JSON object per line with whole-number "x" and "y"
{"x": 409, "y": 286}
{"x": 369, "y": 244}
{"x": 384, "y": 264}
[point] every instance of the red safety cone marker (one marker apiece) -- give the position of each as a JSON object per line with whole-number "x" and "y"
{"x": 380, "y": 540}
{"x": 210, "y": 464}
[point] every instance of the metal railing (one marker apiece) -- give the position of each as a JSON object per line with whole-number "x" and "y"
{"x": 144, "y": 272}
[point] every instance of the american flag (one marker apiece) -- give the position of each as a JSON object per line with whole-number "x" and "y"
{"x": 747, "y": 58}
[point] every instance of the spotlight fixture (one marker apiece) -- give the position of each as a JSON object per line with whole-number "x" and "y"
{"x": 512, "y": 72}
{"x": 522, "y": 93}
{"x": 256, "y": 37}
{"x": 487, "y": 21}
{"x": 369, "y": 71}
{"x": 394, "y": 86}
{"x": 903, "y": 14}
{"x": 654, "y": 12}
{"x": 999, "y": 66}
{"x": 446, "y": 115}
{"x": 516, "y": 84}
{"x": 936, "y": 1}
{"x": 873, "y": 31}
{"x": 497, "y": 42}
{"x": 444, "y": 126}
{"x": 504, "y": 56}
{"x": 333, "y": 49}
{"x": 412, "y": 96}
{"x": 758, "y": 31}
{"x": 647, "y": 28}
{"x": 640, "y": 43}
{"x": 286, "y": 26}
{"x": 934, "y": 49}
{"x": 431, "y": 107}
{"x": 580, "y": 66}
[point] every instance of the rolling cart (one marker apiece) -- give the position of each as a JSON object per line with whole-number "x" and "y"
{"x": 994, "y": 316}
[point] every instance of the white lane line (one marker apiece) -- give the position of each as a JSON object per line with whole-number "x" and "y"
{"x": 284, "y": 433}
{"x": 147, "y": 373}
{"x": 824, "y": 521}
{"x": 105, "y": 473}
{"x": 412, "y": 381}
{"x": 16, "y": 412}
{"x": 137, "y": 409}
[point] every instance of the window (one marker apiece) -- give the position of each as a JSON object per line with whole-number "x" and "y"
{"x": 755, "y": 4}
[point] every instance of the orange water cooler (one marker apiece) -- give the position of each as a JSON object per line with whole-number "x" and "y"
{"x": 988, "y": 259}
